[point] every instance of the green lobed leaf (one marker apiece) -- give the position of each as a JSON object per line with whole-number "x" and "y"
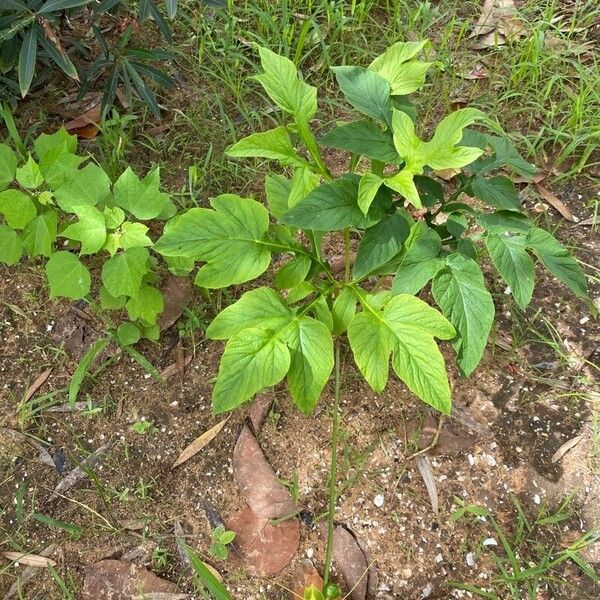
{"x": 11, "y": 247}
{"x": 459, "y": 290}
{"x": 367, "y": 190}
{"x": 331, "y": 207}
{"x": 380, "y": 244}
{"x": 59, "y": 166}
{"x": 89, "y": 185}
{"x": 366, "y": 91}
{"x": 303, "y": 182}
{"x": 146, "y": 305}
{"x": 274, "y": 144}
{"x": 509, "y": 256}
{"x": 503, "y": 221}
{"x": 142, "y": 197}
{"x": 50, "y": 142}
{"x": 293, "y": 272}
{"x": 405, "y": 328}
{"x": 29, "y": 175}
{"x": 499, "y": 192}
{"x": 8, "y": 166}
{"x": 67, "y": 276}
{"x": 40, "y": 234}
{"x": 18, "y": 208}
{"x": 557, "y": 259}
{"x": 123, "y": 273}
{"x": 90, "y": 229}
{"x": 231, "y": 239}
{"x": 364, "y": 138}
{"x": 505, "y": 155}
{"x": 114, "y": 216}
{"x": 403, "y": 182}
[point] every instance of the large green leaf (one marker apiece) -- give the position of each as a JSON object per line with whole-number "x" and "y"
{"x": 364, "y": 138}
{"x": 505, "y": 155}
{"x": 18, "y": 208}
{"x": 27, "y": 59}
{"x": 331, "y": 207}
{"x": 59, "y": 166}
{"x": 503, "y": 221}
{"x": 40, "y": 233}
{"x": 380, "y": 244}
{"x": 253, "y": 359}
{"x": 420, "y": 260}
{"x": 459, "y": 290}
{"x": 90, "y": 229}
{"x": 122, "y": 274}
{"x": 499, "y": 192}
{"x": 557, "y": 259}
{"x": 89, "y": 185}
{"x": 509, "y": 255}
{"x": 403, "y": 182}
{"x": 147, "y": 304}
{"x": 274, "y": 144}
{"x": 142, "y": 197}
{"x": 49, "y": 142}
{"x": 277, "y": 189}
{"x": 293, "y": 272}
{"x": 29, "y": 175}
{"x": 11, "y": 247}
{"x": 67, "y": 276}
{"x": 405, "y": 328}
{"x": 397, "y": 67}
{"x": 231, "y": 239}
{"x": 280, "y": 81}
{"x": 8, "y": 166}
{"x": 366, "y": 91}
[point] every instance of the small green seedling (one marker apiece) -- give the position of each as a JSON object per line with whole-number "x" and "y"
{"x": 221, "y": 538}
{"x": 141, "y": 427}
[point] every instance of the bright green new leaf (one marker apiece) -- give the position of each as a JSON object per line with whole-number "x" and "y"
{"x": 397, "y": 67}
{"x": 406, "y": 328}
{"x": 311, "y": 352}
{"x": 59, "y": 166}
{"x": 406, "y": 141}
{"x": 499, "y": 192}
{"x": 403, "y": 183}
{"x": 128, "y": 334}
{"x": 293, "y": 272}
{"x": 67, "y": 276}
{"x": 277, "y": 189}
{"x": 253, "y": 359}
{"x": 274, "y": 144}
{"x": 557, "y": 259}
{"x": 420, "y": 260}
{"x": 344, "y": 308}
{"x": 40, "y": 233}
{"x": 331, "y": 207}
{"x": 133, "y": 235}
{"x": 29, "y": 175}
{"x": 367, "y": 190}
{"x": 122, "y": 274}
{"x": 146, "y": 305}
{"x": 61, "y": 139}
{"x": 459, "y": 290}
{"x": 18, "y": 208}
{"x": 114, "y": 216}
{"x": 230, "y": 239}
{"x": 142, "y": 197}
{"x": 11, "y": 247}
{"x": 8, "y": 166}
{"x": 366, "y": 91}
{"x": 510, "y": 257}
{"x": 380, "y": 244}
{"x": 303, "y": 182}
{"x": 364, "y": 138}
{"x": 89, "y": 185}
{"x": 90, "y": 229}
{"x": 280, "y": 81}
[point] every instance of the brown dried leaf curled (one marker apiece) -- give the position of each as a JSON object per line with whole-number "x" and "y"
{"x": 265, "y": 548}
{"x": 351, "y": 563}
{"x": 257, "y": 480}
{"x": 200, "y": 442}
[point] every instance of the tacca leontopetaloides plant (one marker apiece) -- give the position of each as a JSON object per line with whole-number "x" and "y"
{"x": 408, "y": 225}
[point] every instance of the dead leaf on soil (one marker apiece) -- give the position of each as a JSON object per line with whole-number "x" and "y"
{"x": 447, "y": 174}
{"x": 177, "y": 292}
{"x": 266, "y": 548}
{"x": 554, "y": 201}
{"x": 424, "y": 466}
{"x": 176, "y": 367}
{"x": 593, "y": 220}
{"x": 30, "y": 560}
{"x": 306, "y": 576}
{"x": 27, "y": 575}
{"x": 199, "y": 443}
{"x": 180, "y": 542}
{"x": 568, "y": 445}
{"x": 37, "y": 384}
{"x": 43, "y": 454}
{"x": 86, "y": 125}
{"x": 112, "y": 579}
{"x": 450, "y": 440}
{"x": 498, "y": 22}
{"x": 352, "y": 564}
{"x": 259, "y": 409}
{"x": 257, "y": 480}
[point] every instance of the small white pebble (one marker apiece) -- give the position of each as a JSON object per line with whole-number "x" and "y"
{"x": 537, "y": 499}
{"x": 490, "y": 542}
{"x": 378, "y": 500}
{"x": 470, "y": 559}
{"x": 584, "y": 320}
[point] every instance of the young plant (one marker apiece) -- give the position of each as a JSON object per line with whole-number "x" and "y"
{"x": 405, "y": 222}
{"x": 221, "y": 538}
{"x": 64, "y": 208}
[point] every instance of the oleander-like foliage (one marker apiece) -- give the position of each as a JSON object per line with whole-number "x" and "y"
{"x": 409, "y": 224}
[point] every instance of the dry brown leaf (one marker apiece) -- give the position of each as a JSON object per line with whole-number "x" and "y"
{"x": 306, "y": 576}
{"x": 86, "y": 124}
{"x": 257, "y": 481}
{"x": 37, "y": 384}
{"x": 424, "y": 466}
{"x": 30, "y": 560}
{"x": 43, "y": 454}
{"x": 176, "y": 367}
{"x": 447, "y": 174}
{"x": 553, "y": 200}
{"x": 28, "y": 574}
{"x": 593, "y": 220}
{"x": 199, "y": 443}
{"x": 450, "y": 440}
{"x": 118, "y": 579}
{"x": 259, "y": 409}
{"x": 499, "y": 20}
{"x": 351, "y": 563}
{"x": 266, "y": 548}
{"x": 568, "y": 445}
{"x": 177, "y": 292}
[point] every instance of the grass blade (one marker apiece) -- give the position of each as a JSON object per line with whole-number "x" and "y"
{"x": 27, "y": 58}
{"x": 144, "y": 363}
{"x": 212, "y": 584}
{"x": 82, "y": 368}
